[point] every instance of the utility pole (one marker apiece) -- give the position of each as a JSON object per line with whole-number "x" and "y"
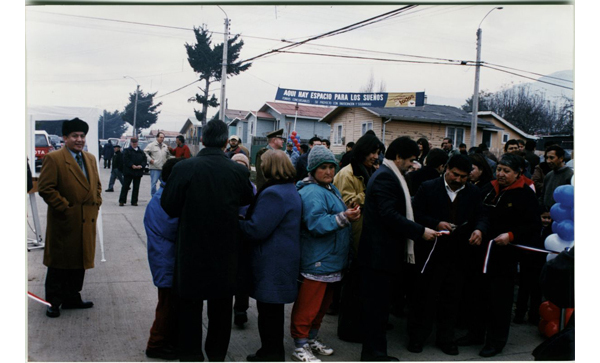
{"x": 476, "y": 91}
{"x": 103, "y": 123}
{"x": 137, "y": 92}
{"x": 224, "y": 69}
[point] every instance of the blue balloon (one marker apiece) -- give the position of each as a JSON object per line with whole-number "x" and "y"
{"x": 573, "y": 214}
{"x": 566, "y": 230}
{"x": 554, "y": 227}
{"x": 295, "y": 149}
{"x": 565, "y": 195}
{"x": 560, "y": 213}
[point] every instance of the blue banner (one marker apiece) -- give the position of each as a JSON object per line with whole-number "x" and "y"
{"x": 346, "y": 99}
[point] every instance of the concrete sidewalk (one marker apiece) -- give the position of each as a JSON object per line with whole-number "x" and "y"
{"x": 116, "y": 329}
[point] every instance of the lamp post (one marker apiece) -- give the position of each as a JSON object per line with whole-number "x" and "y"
{"x": 224, "y": 66}
{"x": 476, "y": 91}
{"x": 137, "y": 91}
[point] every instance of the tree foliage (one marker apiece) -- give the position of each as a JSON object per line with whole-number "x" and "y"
{"x": 206, "y": 60}
{"x": 111, "y": 124}
{"x": 369, "y": 87}
{"x": 147, "y": 112}
{"x": 530, "y": 111}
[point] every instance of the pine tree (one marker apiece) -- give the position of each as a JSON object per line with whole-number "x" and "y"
{"x": 110, "y": 124}
{"x": 206, "y": 61}
{"x": 147, "y": 113}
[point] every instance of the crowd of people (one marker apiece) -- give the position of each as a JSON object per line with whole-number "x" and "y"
{"x": 407, "y": 226}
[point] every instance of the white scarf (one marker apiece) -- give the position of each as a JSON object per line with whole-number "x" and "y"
{"x": 410, "y": 244}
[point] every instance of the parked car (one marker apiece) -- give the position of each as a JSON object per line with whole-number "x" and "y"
{"x": 42, "y": 147}
{"x": 56, "y": 141}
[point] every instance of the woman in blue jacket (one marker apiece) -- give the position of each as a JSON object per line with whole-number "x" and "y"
{"x": 161, "y": 232}
{"x": 325, "y": 243}
{"x": 272, "y": 226}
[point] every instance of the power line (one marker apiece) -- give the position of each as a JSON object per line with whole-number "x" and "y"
{"x": 537, "y": 74}
{"x": 335, "y": 32}
{"x": 520, "y": 75}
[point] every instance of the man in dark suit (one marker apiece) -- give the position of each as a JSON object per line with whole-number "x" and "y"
{"x": 454, "y": 205}
{"x": 134, "y": 162}
{"x": 435, "y": 162}
{"x": 70, "y": 185}
{"x": 388, "y": 229}
{"x": 205, "y": 192}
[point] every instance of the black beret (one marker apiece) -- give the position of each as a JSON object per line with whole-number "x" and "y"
{"x": 74, "y": 125}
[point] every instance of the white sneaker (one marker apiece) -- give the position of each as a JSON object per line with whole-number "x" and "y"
{"x": 304, "y": 354}
{"x": 317, "y": 347}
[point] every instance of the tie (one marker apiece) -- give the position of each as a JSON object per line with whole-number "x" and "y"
{"x": 79, "y": 161}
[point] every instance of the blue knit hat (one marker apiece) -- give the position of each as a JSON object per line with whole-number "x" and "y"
{"x": 318, "y": 155}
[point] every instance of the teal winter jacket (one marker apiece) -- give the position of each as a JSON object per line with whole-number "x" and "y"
{"x": 325, "y": 232}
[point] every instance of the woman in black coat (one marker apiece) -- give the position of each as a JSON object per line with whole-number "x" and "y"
{"x": 512, "y": 209}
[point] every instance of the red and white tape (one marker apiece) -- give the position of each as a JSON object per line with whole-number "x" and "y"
{"x": 523, "y": 247}
{"x": 38, "y": 299}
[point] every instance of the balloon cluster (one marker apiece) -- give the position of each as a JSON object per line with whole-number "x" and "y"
{"x": 550, "y": 314}
{"x": 563, "y": 225}
{"x": 295, "y": 139}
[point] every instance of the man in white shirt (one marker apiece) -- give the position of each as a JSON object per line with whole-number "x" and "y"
{"x": 157, "y": 153}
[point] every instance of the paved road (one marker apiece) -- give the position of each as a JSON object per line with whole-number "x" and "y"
{"x": 116, "y": 329}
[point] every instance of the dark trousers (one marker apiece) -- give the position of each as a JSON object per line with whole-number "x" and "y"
{"x": 435, "y": 301}
{"x": 107, "y": 163}
{"x": 164, "y": 329}
{"x": 271, "y": 318}
{"x": 375, "y": 299}
{"x": 218, "y": 332}
{"x": 242, "y": 302}
{"x": 64, "y": 285}
{"x": 493, "y": 297}
{"x": 529, "y": 296}
{"x": 127, "y": 180}
{"x": 114, "y": 175}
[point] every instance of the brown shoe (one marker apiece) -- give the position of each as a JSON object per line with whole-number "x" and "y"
{"x": 121, "y": 204}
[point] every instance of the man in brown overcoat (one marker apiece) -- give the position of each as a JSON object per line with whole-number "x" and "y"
{"x": 70, "y": 185}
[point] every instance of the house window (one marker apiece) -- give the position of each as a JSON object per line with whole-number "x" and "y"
{"x": 505, "y": 137}
{"x": 457, "y": 134}
{"x": 366, "y": 126}
{"x": 252, "y": 128}
{"x": 337, "y": 134}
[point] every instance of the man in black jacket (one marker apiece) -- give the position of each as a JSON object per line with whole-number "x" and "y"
{"x": 205, "y": 192}
{"x": 388, "y": 229}
{"x": 454, "y": 205}
{"x": 435, "y": 162}
{"x": 117, "y": 169}
{"x": 134, "y": 162}
{"x": 301, "y": 171}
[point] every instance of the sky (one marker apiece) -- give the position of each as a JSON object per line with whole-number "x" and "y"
{"x": 65, "y": 60}
{"x": 79, "y": 55}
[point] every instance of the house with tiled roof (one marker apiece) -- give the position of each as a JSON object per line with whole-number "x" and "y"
{"x": 433, "y": 122}
{"x": 289, "y": 117}
{"x": 231, "y": 119}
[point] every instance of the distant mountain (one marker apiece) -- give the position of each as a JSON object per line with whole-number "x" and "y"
{"x": 554, "y": 93}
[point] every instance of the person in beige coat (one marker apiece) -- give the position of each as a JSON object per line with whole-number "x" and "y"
{"x": 70, "y": 185}
{"x": 157, "y": 153}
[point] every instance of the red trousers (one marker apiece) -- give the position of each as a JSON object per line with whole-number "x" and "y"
{"x": 164, "y": 328}
{"x": 313, "y": 301}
